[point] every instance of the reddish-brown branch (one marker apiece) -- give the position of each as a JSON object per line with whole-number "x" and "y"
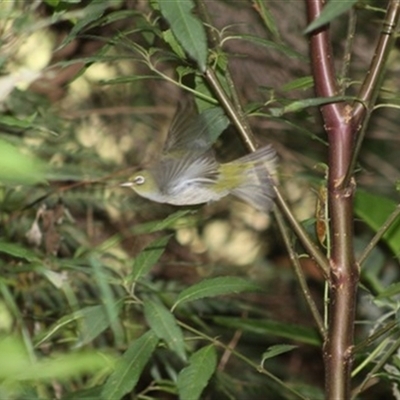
{"x": 322, "y": 66}
{"x": 338, "y": 347}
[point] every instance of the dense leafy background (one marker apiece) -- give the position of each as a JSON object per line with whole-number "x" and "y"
{"x": 107, "y": 295}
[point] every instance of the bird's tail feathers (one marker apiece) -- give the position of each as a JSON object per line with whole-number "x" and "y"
{"x": 257, "y": 187}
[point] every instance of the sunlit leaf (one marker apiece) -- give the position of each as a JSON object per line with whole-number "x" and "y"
{"x": 129, "y": 367}
{"x": 194, "y": 378}
{"x": 18, "y": 168}
{"x": 164, "y": 325}
{"x": 20, "y": 367}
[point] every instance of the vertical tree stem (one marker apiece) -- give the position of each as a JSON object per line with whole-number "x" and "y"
{"x": 338, "y": 346}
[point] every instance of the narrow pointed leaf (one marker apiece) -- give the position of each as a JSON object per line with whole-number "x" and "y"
{"x": 194, "y": 378}
{"x": 15, "y": 250}
{"x": 288, "y": 51}
{"x": 129, "y": 368}
{"x": 17, "y": 168}
{"x": 165, "y": 326}
{"x": 91, "y": 13}
{"x": 276, "y": 350}
{"x": 215, "y": 287}
{"x": 390, "y": 291}
{"x": 262, "y": 8}
{"x": 272, "y": 328}
{"x": 147, "y": 258}
{"x": 170, "y": 222}
{"x": 333, "y": 9}
{"x": 21, "y": 367}
{"x": 187, "y": 28}
{"x": 313, "y": 102}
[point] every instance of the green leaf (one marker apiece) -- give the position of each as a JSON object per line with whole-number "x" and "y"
{"x": 14, "y": 122}
{"x": 172, "y": 221}
{"x": 288, "y": 51}
{"x": 272, "y": 328}
{"x": 304, "y": 82}
{"x": 170, "y": 38}
{"x": 90, "y": 13}
{"x": 215, "y": 287}
{"x": 146, "y": 259}
{"x": 20, "y": 367}
{"x": 188, "y": 29}
{"x": 194, "y": 378}
{"x": 101, "y": 278}
{"x": 390, "y": 291}
{"x": 216, "y": 122}
{"x": 94, "y": 320}
{"x": 205, "y": 97}
{"x": 18, "y": 168}
{"x": 93, "y": 393}
{"x": 267, "y": 17}
{"x": 18, "y": 251}
{"x": 129, "y": 367}
{"x": 276, "y": 350}
{"x": 302, "y": 104}
{"x": 164, "y": 325}
{"x": 382, "y": 207}
{"x": 332, "y": 9}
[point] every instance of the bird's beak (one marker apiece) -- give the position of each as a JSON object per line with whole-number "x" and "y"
{"x": 126, "y": 184}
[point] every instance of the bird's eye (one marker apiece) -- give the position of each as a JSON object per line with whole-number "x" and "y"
{"x": 139, "y": 180}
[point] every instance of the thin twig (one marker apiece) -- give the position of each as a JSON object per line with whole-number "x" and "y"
{"x": 351, "y": 29}
{"x": 258, "y": 367}
{"x": 283, "y": 206}
{"x": 385, "y": 357}
{"x": 371, "y": 86}
{"x": 378, "y": 235}
{"x": 390, "y": 326}
{"x": 300, "y": 275}
{"x": 243, "y": 129}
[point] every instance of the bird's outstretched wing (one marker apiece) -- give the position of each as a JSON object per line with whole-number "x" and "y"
{"x": 192, "y": 132}
{"x": 192, "y": 169}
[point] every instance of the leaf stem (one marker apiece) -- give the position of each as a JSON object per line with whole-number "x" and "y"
{"x": 371, "y": 86}
{"x": 257, "y": 367}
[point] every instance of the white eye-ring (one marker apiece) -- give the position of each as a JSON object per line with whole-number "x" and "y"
{"x": 139, "y": 180}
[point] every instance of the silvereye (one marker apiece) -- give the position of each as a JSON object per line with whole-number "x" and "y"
{"x": 188, "y": 173}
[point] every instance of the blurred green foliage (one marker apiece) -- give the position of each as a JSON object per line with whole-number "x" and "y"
{"x": 103, "y": 294}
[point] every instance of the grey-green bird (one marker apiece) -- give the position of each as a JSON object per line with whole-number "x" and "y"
{"x": 187, "y": 171}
